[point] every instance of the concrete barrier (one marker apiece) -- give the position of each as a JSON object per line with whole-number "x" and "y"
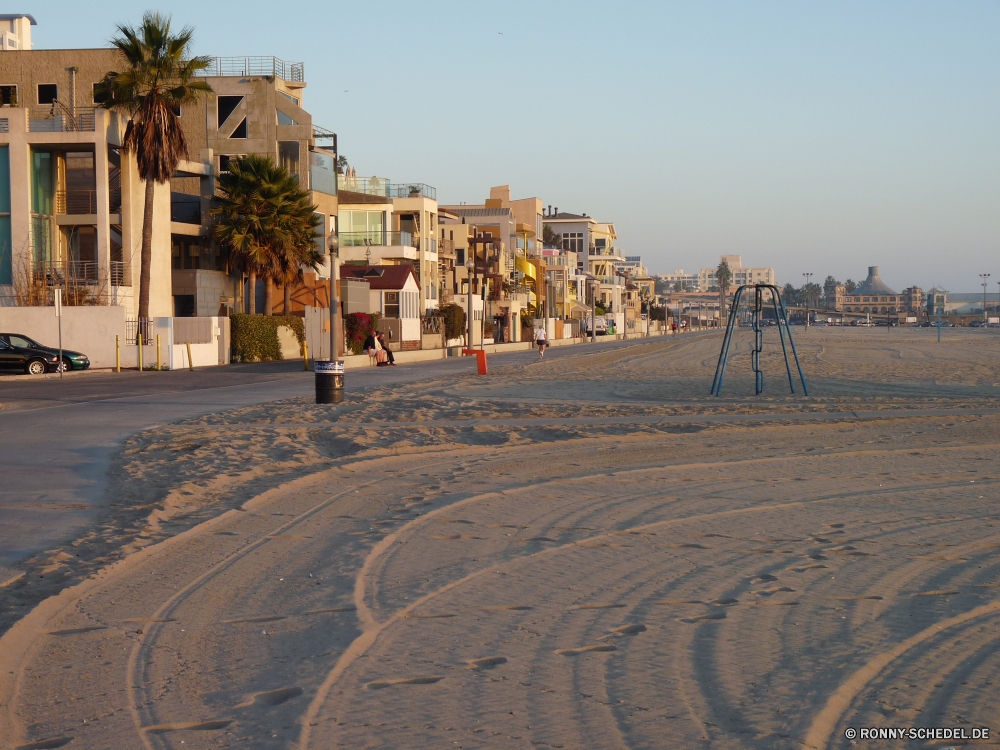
{"x": 86, "y": 329}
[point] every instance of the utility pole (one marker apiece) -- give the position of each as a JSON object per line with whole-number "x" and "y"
{"x": 984, "y": 276}
{"x": 808, "y": 276}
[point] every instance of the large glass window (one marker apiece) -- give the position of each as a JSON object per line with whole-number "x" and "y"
{"x": 358, "y": 226}
{"x": 288, "y": 156}
{"x": 322, "y": 175}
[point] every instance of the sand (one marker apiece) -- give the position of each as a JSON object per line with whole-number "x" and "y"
{"x": 587, "y": 552}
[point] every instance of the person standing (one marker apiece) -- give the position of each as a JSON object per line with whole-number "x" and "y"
{"x": 542, "y": 341}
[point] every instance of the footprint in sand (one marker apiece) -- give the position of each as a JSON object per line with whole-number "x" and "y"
{"x": 802, "y": 568}
{"x": 689, "y": 545}
{"x": 626, "y": 630}
{"x": 538, "y": 539}
{"x": 680, "y": 601}
{"x": 453, "y": 520}
{"x": 586, "y": 649}
{"x": 718, "y": 615}
{"x": 199, "y": 726}
{"x": 487, "y": 662}
{"x": 428, "y": 615}
{"x": 598, "y": 606}
{"x": 382, "y": 684}
{"x": 75, "y": 631}
{"x": 456, "y": 537}
{"x": 935, "y": 593}
{"x": 329, "y": 611}
{"x": 272, "y": 697}
{"x": 855, "y": 598}
{"x": 52, "y": 742}
{"x": 772, "y": 591}
{"x": 506, "y": 608}
{"x": 766, "y": 577}
{"x": 270, "y": 618}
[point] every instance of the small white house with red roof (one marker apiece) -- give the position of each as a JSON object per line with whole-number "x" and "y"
{"x": 395, "y": 296}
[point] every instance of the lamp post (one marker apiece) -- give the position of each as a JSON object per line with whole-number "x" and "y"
{"x": 984, "y": 276}
{"x": 333, "y": 243}
{"x": 808, "y": 276}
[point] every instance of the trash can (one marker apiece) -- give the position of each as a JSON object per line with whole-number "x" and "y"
{"x": 329, "y": 382}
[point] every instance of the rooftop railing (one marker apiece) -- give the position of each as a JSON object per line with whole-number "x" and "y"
{"x": 57, "y": 119}
{"x": 255, "y": 66}
{"x": 381, "y": 186}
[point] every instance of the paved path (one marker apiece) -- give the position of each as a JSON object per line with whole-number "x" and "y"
{"x": 57, "y": 436}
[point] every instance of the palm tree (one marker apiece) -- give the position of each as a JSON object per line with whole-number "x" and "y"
{"x": 724, "y": 275}
{"x": 267, "y": 223}
{"x": 158, "y": 76}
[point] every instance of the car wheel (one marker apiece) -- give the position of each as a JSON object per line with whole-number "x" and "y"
{"x": 65, "y": 366}
{"x": 36, "y": 367}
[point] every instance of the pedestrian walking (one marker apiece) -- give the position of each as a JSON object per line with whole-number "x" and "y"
{"x": 542, "y": 341}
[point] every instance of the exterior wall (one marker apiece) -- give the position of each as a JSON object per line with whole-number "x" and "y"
{"x": 209, "y": 288}
{"x": 29, "y": 68}
{"x": 90, "y": 330}
{"x": 427, "y": 268}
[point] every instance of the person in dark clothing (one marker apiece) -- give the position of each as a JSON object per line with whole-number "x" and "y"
{"x": 373, "y": 348}
{"x": 385, "y": 347}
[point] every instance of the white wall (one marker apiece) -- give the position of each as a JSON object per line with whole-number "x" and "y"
{"x": 90, "y": 330}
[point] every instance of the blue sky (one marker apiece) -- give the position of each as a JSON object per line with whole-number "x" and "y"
{"x": 809, "y": 136}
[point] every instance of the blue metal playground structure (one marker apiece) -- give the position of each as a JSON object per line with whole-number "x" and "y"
{"x": 756, "y": 321}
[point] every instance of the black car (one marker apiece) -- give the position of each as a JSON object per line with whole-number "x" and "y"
{"x": 71, "y": 360}
{"x": 26, "y": 359}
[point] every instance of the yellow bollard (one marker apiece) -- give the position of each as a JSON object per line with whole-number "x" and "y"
{"x": 190, "y": 363}
{"x": 305, "y": 356}
{"x": 157, "y": 352}
{"x": 138, "y": 344}
{"x": 118, "y": 353}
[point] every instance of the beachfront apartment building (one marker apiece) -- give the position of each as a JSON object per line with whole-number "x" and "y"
{"x": 740, "y": 275}
{"x": 689, "y": 282}
{"x": 392, "y": 223}
{"x": 71, "y": 202}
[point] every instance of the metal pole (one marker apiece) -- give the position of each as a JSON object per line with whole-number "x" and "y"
{"x": 781, "y": 335}
{"x": 158, "y": 360}
{"x": 984, "y": 276}
{"x": 720, "y": 367}
{"x": 468, "y": 281}
{"x": 593, "y": 316}
{"x": 61, "y": 365}
{"x": 118, "y": 354}
{"x": 805, "y": 388}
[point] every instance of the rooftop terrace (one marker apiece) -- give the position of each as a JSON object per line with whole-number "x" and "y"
{"x": 255, "y": 66}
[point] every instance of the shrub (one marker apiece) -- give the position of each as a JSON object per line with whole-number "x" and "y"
{"x": 488, "y": 328}
{"x": 255, "y": 337}
{"x": 454, "y": 321}
{"x": 358, "y": 327}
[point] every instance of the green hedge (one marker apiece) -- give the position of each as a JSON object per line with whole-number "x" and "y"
{"x": 454, "y": 321}
{"x": 255, "y": 337}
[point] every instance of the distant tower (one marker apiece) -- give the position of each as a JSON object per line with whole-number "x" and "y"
{"x": 15, "y": 31}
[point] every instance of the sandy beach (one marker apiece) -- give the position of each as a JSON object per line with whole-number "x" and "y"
{"x": 587, "y": 552}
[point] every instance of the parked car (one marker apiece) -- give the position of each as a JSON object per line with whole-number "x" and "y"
{"x": 977, "y": 324}
{"x": 26, "y": 359}
{"x": 71, "y": 360}
{"x": 602, "y": 326}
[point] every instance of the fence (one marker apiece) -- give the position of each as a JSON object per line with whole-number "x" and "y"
{"x": 58, "y": 119}
{"x": 255, "y": 66}
{"x": 430, "y": 325}
{"x": 193, "y": 330}
{"x": 376, "y": 237}
{"x": 133, "y": 326}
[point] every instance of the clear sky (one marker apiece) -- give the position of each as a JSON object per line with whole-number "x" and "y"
{"x": 808, "y": 136}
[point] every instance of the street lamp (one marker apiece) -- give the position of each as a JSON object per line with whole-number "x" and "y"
{"x": 808, "y": 276}
{"x": 333, "y": 243}
{"x": 984, "y": 276}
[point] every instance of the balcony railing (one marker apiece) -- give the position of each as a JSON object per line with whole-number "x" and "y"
{"x": 359, "y": 239}
{"x": 77, "y": 202}
{"x": 381, "y": 186}
{"x": 67, "y": 272}
{"x": 58, "y": 119}
{"x": 255, "y": 66}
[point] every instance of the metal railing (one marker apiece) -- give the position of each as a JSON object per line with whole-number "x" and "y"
{"x": 59, "y": 119}
{"x": 60, "y": 273}
{"x": 133, "y": 326}
{"x": 359, "y": 239}
{"x": 76, "y": 202}
{"x": 430, "y": 325}
{"x": 119, "y": 274}
{"x": 255, "y": 66}
{"x": 381, "y": 186}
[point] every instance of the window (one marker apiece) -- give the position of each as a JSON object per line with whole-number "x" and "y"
{"x": 227, "y": 105}
{"x": 224, "y": 160}
{"x": 572, "y": 241}
{"x": 288, "y": 156}
{"x": 8, "y": 95}
{"x": 48, "y": 93}
{"x": 284, "y": 119}
{"x": 392, "y": 304}
{"x": 241, "y": 130}
{"x": 290, "y": 98}
{"x": 99, "y": 96}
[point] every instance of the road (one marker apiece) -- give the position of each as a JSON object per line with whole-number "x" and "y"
{"x": 57, "y": 437}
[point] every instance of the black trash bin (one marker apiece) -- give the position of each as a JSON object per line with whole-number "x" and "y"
{"x": 329, "y": 382}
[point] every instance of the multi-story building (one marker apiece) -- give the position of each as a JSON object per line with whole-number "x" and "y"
{"x": 833, "y": 296}
{"x": 740, "y": 275}
{"x": 912, "y": 299}
{"x": 15, "y": 32}
{"x": 873, "y": 296}
{"x": 680, "y": 281}
{"x": 74, "y": 215}
{"x": 633, "y": 266}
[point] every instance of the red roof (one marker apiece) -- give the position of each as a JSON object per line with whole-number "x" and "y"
{"x": 380, "y": 277}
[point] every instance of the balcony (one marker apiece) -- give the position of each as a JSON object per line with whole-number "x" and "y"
{"x": 241, "y": 67}
{"x": 381, "y": 187}
{"x": 322, "y": 175}
{"x": 386, "y": 239}
{"x": 82, "y": 202}
{"x": 58, "y": 119}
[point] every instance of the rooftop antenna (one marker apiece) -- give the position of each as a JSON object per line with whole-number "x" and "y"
{"x": 758, "y": 345}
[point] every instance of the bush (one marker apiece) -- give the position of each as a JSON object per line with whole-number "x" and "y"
{"x": 255, "y": 337}
{"x": 358, "y": 327}
{"x": 454, "y": 321}
{"x": 488, "y": 329}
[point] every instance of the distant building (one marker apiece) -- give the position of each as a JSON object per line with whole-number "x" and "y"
{"x": 873, "y": 296}
{"x": 912, "y": 299}
{"x": 707, "y": 277}
{"x": 833, "y": 296}
{"x": 688, "y": 281}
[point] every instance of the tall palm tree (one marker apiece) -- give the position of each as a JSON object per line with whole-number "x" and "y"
{"x": 724, "y": 275}
{"x": 267, "y": 223}
{"x": 158, "y": 76}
